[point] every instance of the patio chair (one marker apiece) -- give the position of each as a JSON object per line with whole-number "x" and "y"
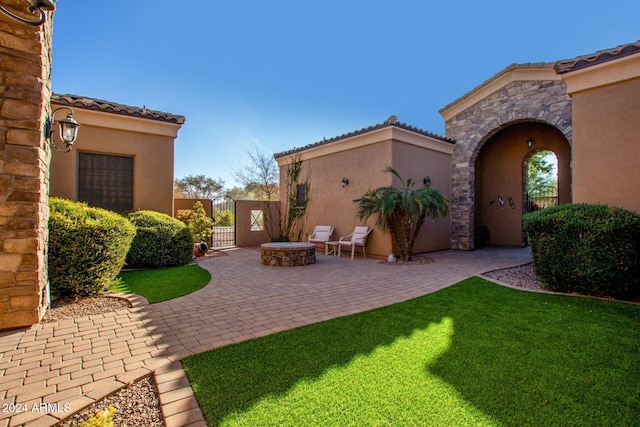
{"x": 321, "y": 235}
{"x": 357, "y": 238}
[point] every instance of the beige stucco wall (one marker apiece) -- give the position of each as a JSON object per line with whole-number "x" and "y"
{"x": 606, "y": 151}
{"x": 332, "y": 204}
{"x": 245, "y": 237}
{"x": 417, "y": 163}
{"x": 363, "y": 160}
{"x": 149, "y": 142}
{"x": 500, "y": 170}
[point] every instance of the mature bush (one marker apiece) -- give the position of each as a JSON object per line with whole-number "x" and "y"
{"x": 87, "y": 247}
{"x": 198, "y": 223}
{"x": 588, "y": 249}
{"x": 161, "y": 241}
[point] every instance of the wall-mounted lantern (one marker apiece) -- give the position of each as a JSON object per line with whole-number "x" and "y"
{"x": 427, "y": 180}
{"x": 35, "y": 7}
{"x": 344, "y": 182}
{"x": 68, "y": 129}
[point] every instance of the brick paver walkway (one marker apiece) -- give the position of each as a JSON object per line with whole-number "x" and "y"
{"x": 51, "y": 370}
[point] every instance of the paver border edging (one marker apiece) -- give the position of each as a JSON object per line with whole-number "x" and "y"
{"x": 544, "y": 291}
{"x": 135, "y": 300}
{"x": 177, "y": 405}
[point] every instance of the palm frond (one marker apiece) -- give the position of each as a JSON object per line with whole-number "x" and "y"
{"x": 403, "y": 210}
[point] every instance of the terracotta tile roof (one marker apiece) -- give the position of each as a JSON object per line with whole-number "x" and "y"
{"x": 526, "y": 65}
{"x": 76, "y": 101}
{"x": 391, "y": 121}
{"x": 560, "y": 67}
{"x": 599, "y": 57}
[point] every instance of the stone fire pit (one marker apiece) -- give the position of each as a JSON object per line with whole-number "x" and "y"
{"x": 288, "y": 254}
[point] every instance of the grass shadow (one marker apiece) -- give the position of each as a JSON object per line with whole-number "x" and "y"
{"x": 475, "y": 353}
{"x": 543, "y": 360}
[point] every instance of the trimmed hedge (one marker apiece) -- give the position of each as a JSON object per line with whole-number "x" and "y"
{"x": 161, "y": 241}
{"x": 588, "y": 249}
{"x": 87, "y": 248}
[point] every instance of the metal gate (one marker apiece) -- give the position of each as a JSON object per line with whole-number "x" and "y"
{"x": 223, "y": 213}
{"x": 542, "y": 197}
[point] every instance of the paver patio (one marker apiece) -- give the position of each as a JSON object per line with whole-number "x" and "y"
{"x": 74, "y": 362}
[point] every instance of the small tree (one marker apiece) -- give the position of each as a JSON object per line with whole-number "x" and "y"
{"x": 198, "y": 187}
{"x": 402, "y": 211}
{"x": 541, "y": 170}
{"x": 238, "y": 193}
{"x": 198, "y": 223}
{"x": 260, "y": 177}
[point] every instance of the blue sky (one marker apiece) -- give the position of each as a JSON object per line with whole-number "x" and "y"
{"x": 282, "y": 74}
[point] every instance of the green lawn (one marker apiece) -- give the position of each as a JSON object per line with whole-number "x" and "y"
{"x": 163, "y": 284}
{"x": 473, "y": 354}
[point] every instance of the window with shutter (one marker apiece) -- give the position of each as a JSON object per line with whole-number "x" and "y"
{"x": 105, "y": 181}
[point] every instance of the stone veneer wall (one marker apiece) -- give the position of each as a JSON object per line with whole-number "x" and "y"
{"x": 25, "y": 93}
{"x": 519, "y": 101}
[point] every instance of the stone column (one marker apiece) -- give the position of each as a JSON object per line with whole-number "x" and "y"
{"x": 25, "y": 94}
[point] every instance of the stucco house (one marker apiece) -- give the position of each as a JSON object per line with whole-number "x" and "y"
{"x": 361, "y": 157}
{"x": 122, "y": 159}
{"x": 585, "y": 110}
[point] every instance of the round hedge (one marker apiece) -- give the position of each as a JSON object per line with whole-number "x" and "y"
{"x": 161, "y": 241}
{"x": 87, "y": 248}
{"x": 587, "y": 249}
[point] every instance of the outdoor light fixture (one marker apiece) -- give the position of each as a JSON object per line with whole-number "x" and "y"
{"x": 35, "y": 7}
{"x": 68, "y": 129}
{"x": 345, "y": 182}
{"x": 426, "y": 180}
{"x": 530, "y": 143}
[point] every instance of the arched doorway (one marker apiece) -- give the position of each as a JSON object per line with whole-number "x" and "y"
{"x": 541, "y": 171}
{"x": 501, "y": 180}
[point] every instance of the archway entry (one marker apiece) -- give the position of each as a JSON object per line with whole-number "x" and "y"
{"x": 501, "y": 180}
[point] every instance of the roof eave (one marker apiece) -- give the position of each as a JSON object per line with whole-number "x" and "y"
{"x": 391, "y": 122}
{"x": 87, "y": 103}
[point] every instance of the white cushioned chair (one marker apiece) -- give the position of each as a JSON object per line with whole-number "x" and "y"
{"x": 321, "y": 234}
{"x": 357, "y": 238}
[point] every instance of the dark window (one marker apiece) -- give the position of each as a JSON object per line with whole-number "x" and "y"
{"x": 302, "y": 196}
{"x": 105, "y": 181}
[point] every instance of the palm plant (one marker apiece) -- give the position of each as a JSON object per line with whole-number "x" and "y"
{"x": 402, "y": 211}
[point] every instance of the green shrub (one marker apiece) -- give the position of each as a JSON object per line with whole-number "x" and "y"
{"x": 198, "y": 223}
{"x": 588, "y": 249}
{"x": 102, "y": 418}
{"x": 87, "y": 247}
{"x": 161, "y": 241}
